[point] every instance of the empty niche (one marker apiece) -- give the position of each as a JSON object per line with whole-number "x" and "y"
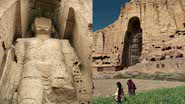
{"x": 100, "y": 69}
{"x": 157, "y": 66}
{"x": 162, "y": 58}
{"x": 179, "y": 47}
{"x": 101, "y": 58}
{"x": 169, "y": 48}
{"x": 106, "y": 63}
{"x": 171, "y": 36}
{"x": 3, "y": 45}
{"x": 180, "y": 56}
{"x": 15, "y": 58}
{"x": 177, "y": 65}
{"x": 157, "y": 47}
{"x": 69, "y": 29}
{"x": 90, "y": 27}
{"x": 75, "y": 63}
{"x": 163, "y": 49}
{"x": 163, "y": 65}
{"x": 152, "y": 59}
{"x": 133, "y": 33}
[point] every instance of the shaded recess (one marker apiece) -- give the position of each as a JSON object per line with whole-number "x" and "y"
{"x": 45, "y": 8}
{"x": 68, "y": 33}
{"x": 132, "y": 43}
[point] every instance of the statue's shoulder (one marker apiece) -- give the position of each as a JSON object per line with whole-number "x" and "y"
{"x": 23, "y": 40}
{"x": 58, "y": 40}
{"x": 65, "y": 41}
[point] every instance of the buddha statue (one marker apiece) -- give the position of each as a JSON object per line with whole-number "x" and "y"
{"x": 50, "y": 72}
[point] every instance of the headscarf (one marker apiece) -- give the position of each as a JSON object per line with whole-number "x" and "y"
{"x": 120, "y": 88}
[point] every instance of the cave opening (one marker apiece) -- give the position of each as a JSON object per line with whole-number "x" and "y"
{"x": 132, "y": 43}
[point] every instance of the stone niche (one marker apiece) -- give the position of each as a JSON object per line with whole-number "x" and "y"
{"x": 70, "y": 22}
{"x": 30, "y": 9}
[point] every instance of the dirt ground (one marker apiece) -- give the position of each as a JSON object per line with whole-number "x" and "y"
{"x": 108, "y": 87}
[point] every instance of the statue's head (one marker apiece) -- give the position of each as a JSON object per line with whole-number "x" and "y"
{"x": 43, "y": 26}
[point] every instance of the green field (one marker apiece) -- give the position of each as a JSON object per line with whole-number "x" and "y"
{"x": 161, "y": 96}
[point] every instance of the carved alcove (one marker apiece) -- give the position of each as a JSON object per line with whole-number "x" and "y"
{"x": 132, "y": 43}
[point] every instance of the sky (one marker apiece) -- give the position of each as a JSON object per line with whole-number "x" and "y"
{"x": 105, "y": 12}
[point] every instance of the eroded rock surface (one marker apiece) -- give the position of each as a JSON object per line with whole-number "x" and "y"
{"x": 160, "y": 24}
{"x": 47, "y": 70}
{"x": 72, "y": 22}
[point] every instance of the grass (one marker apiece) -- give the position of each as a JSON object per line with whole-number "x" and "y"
{"x": 161, "y": 96}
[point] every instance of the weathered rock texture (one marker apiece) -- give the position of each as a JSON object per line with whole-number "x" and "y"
{"x": 72, "y": 20}
{"x": 49, "y": 74}
{"x": 146, "y": 31}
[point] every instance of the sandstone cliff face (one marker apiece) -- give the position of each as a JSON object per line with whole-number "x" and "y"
{"x": 8, "y": 13}
{"x": 161, "y": 23}
{"x": 81, "y": 34}
{"x": 72, "y": 20}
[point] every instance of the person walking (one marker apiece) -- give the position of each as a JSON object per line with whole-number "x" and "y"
{"x": 119, "y": 93}
{"x": 131, "y": 87}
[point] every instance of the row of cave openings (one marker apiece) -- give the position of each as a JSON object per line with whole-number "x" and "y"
{"x": 132, "y": 49}
{"x": 160, "y": 66}
{"x": 49, "y": 9}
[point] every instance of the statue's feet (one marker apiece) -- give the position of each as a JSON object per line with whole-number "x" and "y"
{"x": 62, "y": 92}
{"x": 62, "y": 85}
{"x": 30, "y": 101}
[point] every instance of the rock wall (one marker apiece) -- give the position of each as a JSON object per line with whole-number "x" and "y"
{"x": 25, "y": 16}
{"x": 8, "y": 13}
{"x": 81, "y": 34}
{"x": 9, "y": 28}
{"x": 16, "y": 17}
{"x": 159, "y": 19}
{"x": 169, "y": 69}
{"x": 72, "y": 20}
{"x": 166, "y": 66}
